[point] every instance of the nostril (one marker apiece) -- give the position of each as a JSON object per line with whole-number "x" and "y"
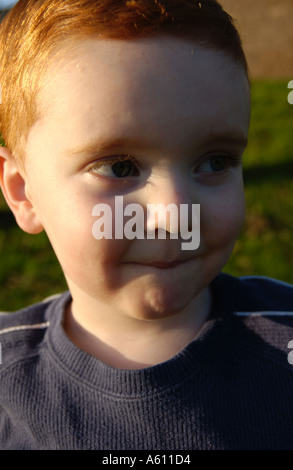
{"x": 161, "y": 217}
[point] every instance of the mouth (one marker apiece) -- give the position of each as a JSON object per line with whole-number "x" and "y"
{"x": 164, "y": 264}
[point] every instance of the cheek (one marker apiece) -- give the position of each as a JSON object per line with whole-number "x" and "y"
{"x": 222, "y": 220}
{"x": 75, "y": 244}
{"x": 90, "y": 264}
{"x": 69, "y": 223}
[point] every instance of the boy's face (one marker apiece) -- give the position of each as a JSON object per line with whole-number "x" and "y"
{"x": 179, "y": 115}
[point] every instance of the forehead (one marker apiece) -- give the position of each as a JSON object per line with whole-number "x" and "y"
{"x": 145, "y": 82}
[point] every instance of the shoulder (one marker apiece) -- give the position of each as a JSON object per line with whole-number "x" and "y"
{"x": 262, "y": 311}
{"x": 258, "y": 294}
{"x": 21, "y": 332}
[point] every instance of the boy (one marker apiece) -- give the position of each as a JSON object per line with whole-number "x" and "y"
{"x": 152, "y": 347}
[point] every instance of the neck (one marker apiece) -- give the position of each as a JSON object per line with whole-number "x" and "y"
{"x": 130, "y": 343}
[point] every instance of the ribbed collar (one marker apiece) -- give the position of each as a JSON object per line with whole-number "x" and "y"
{"x": 185, "y": 365}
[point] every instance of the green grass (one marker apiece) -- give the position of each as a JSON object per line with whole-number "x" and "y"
{"x": 265, "y": 245}
{"x": 29, "y": 270}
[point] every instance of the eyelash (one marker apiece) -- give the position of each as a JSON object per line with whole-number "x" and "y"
{"x": 112, "y": 161}
{"x": 232, "y": 161}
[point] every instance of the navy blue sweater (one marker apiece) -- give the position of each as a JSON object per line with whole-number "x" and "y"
{"x": 231, "y": 388}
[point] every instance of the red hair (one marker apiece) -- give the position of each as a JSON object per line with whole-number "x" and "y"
{"x": 34, "y": 29}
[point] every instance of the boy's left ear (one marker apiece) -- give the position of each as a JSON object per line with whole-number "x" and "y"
{"x": 14, "y": 187}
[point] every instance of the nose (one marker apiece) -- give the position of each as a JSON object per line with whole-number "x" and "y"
{"x": 169, "y": 200}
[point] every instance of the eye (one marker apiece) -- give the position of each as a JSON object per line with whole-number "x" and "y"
{"x": 217, "y": 164}
{"x": 121, "y": 166}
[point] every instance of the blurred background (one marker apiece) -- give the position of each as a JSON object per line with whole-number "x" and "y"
{"x": 29, "y": 270}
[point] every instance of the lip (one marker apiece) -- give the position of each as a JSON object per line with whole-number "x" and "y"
{"x": 164, "y": 264}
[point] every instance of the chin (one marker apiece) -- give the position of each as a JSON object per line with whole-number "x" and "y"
{"x": 159, "y": 304}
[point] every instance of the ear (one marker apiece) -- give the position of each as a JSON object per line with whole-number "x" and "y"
{"x": 14, "y": 187}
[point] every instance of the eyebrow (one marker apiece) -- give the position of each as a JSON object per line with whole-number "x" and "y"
{"x": 104, "y": 145}
{"x": 232, "y": 137}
